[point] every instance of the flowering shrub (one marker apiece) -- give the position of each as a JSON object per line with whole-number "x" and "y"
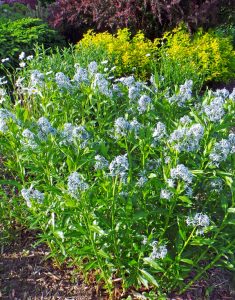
{"x": 131, "y": 181}
{"x": 205, "y": 56}
{"x": 128, "y": 55}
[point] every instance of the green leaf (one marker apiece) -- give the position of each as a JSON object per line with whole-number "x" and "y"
{"x": 96, "y": 228}
{"x": 140, "y": 215}
{"x": 149, "y": 277}
{"x": 103, "y": 254}
{"x": 185, "y": 199}
{"x": 229, "y": 181}
{"x": 153, "y": 264}
{"x": 59, "y": 234}
{"x": 152, "y": 175}
{"x": 187, "y": 261}
{"x": 143, "y": 281}
{"x": 231, "y": 210}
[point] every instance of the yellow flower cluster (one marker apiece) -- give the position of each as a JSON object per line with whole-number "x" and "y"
{"x": 204, "y": 55}
{"x": 129, "y": 55}
{"x": 210, "y": 55}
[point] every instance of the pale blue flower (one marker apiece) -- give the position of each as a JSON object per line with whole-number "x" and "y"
{"x": 62, "y": 81}
{"x": 144, "y": 103}
{"x": 181, "y": 172}
{"x": 32, "y": 194}
{"x": 76, "y": 184}
{"x": 119, "y": 166}
{"x": 101, "y": 162}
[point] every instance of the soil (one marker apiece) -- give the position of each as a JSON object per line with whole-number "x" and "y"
{"x": 26, "y": 274}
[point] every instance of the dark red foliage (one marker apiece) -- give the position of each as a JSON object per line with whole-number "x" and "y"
{"x": 152, "y": 16}
{"x": 30, "y": 3}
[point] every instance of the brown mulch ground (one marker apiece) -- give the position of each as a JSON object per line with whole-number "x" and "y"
{"x": 26, "y": 275}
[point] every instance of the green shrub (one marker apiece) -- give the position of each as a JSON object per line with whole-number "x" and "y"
{"x": 21, "y": 35}
{"x": 14, "y": 11}
{"x": 125, "y": 180}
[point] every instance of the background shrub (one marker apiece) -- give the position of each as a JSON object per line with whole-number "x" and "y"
{"x": 30, "y": 3}
{"x": 177, "y": 56}
{"x": 22, "y": 34}
{"x": 128, "y": 54}
{"x": 74, "y": 17}
{"x": 14, "y": 11}
{"x": 203, "y": 57}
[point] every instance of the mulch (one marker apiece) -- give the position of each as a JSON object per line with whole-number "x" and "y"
{"x": 26, "y": 274}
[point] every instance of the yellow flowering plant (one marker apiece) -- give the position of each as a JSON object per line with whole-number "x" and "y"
{"x": 129, "y": 54}
{"x": 203, "y": 57}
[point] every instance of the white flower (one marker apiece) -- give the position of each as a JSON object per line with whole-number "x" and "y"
{"x": 36, "y": 78}
{"x": 21, "y": 56}
{"x": 32, "y": 194}
{"x": 158, "y": 251}
{"x": 187, "y": 139}
{"x": 2, "y": 80}
{"x": 182, "y": 173}
{"x": 142, "y": 180}
{"x": 18, "y": 82}
{"x": 119, "y": 166}
{"x": 232, "y": 95}
{"x": 185, "y": 120}
{"x": 143, "y": 103}
{"x": 121, "y": 126}
{"x": 30, "y": 57}
{"x": 3, "y": 93}
{"x": 127, "y": 81}
{"x": 185, "y": 94}
{"x": 216, "y": 185}
{"x": 165, "y": 194}
{"x": 62, "y": 81}
{"x": 231, "y": 139}
{"x": 5, "y": 59}
{"x": 135, "y": 127}
{"x": 5, "y": 116}
{"x": 45, "y": 128}
{"x": 81, "y": 76}
{"x": 29, "y": 139}
{"x": 100, "y": 162}
{"x": 73, "y": 133}
{"x": 92, "y": 67}
{"x": 170, "y": 183}
{"x": 133, "y": 92}
{"x": 224, "y": 93}
{"x": 76, "y": 184}
{"x": 102, "y": 85}
{"x": 221, "y": 151}
{"x": 199, "y": 220}
{"x": 215, "y": 110}
{"x": 22, "y": 64}
{"x": 159, "y": 132}
{"x": 104, "y": 62}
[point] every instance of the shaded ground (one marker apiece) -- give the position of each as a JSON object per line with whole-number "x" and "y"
{"x": 26, "y": 275}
